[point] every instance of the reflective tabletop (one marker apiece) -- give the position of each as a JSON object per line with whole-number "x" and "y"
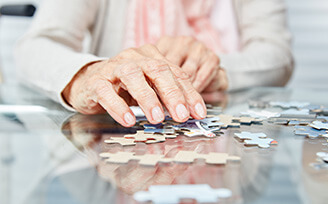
{"x": 50, "y": 155}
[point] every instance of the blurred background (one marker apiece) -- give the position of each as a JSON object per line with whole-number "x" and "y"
{"x": 308, "y": 22}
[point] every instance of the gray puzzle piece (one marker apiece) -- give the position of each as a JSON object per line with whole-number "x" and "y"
{"x": 158, "y": 128}
{"x": 309, "y": 132}
{"x": 319, "y": 125}
{"x": 259, "y": 139}
{"x": 324, "y": 118}
{"x": 290, "y": 104}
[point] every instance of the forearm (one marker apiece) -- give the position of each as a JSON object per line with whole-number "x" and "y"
{"x": 259, "y": 65}
{"x": 48, "y": 66}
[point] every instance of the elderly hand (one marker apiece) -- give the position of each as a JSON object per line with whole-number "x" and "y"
{"x": 141, "y": 74}
{"x": 202, "y": 64}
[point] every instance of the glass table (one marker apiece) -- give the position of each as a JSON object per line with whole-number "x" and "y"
{"x": 50, "y": 155}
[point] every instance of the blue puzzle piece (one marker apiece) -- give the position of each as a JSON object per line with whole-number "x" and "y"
{"x": 158, "y": 128}
{"x": 325, "y": 118}
{"x": 310, "y": 132}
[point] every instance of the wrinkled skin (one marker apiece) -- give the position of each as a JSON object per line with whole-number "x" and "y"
{"x": 153, "y": 77}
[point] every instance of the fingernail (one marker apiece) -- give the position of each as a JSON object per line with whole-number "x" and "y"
{"x": 182, "y": 111}
{"x": 129, "y": 119}
{"x": 157, "y": 114}
{"x": 200, "y": 110}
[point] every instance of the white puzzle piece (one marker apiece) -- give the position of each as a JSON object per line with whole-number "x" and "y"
{"x": 257, "y": 139}
{"x": 169, "y": 194}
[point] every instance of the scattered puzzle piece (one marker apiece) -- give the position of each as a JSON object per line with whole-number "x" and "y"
{"x": 121, "y": 140}
{"x": 319, "y": 125}
{"x": 260, "y": 114}
{"x": 258, "y": 104}
{"x": 290, "y": 104}
{"x": 228, "y": 121}
{"x": 181, "y": 156}
{"x": 125, "y": 157}
{"x": 195, "y": 132}
{"x": 170, "y": 194}
{"x": 158, "y": 128}
{"x": 140, "y": 136}
{"x": 293, "y": 112}
{"x": 258, "y": 139}
{"x": 309, "y": 132}
{"x": 322, "y": 158}
{"x": 211, "y": 158}
{"x": 324, "y": 118}
{"x": 232, "y": 121}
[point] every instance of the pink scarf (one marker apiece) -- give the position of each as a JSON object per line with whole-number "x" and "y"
{"x": 148, "y": 20}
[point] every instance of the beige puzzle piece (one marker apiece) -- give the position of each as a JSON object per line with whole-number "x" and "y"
{"x": 247, "y": 120}
{"x": 121, "y": 140}
{"x": 125, "y": 157}
{"x": 181, "y": 157}
{"x": 140, "y": 136}
{"x": 228, "y": 121}
{"x": 232, "y": 121}
{"x": 211, "y": 158}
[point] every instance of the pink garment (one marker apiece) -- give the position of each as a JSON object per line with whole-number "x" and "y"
{"x": 148, "y": 20}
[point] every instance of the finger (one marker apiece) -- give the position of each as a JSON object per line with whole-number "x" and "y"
{"x": 163, "y": 80}
{"x": 113, "y": 104}
{"x": 194, "y": 60}
{"x": 194, "y": 100}
{"x": 206, "y": 72}
{"x": 164, "y": 44}
{"x": 132, "y": 76}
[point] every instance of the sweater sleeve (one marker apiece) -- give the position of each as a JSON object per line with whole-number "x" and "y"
{"x": 50, "y": 53}
{"x": 265, "y": 58}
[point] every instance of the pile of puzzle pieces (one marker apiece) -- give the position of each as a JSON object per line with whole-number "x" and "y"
{"x": 208, "y": 127}
{"x": 308, "y": 120}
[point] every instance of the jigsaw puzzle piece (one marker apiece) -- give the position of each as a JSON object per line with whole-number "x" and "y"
{"x": 141, "y": 136}
{"x": 310, "y": 132}
{"x": 125, "y": 157}
{"x": 158, "y": 128}
{"x": 295, "y": 112}
{"x": 263, "y": 114}
{"x": 211, "y": 158}
{"x": 247, "y": 120}
{"x": 256, "y": 139}
{"x": 290, "y": 104}
{"x": 324, "y": 118}
{"x": 323, "y": 156}
{"x": 228, "y": 121}
{"x": 170, "y": 194}
{"x": 319, "y": 125}
{"x": 195, "y": 133}
{"x": 121, "y": 140}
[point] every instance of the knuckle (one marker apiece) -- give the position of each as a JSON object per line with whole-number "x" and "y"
{"x": 214, "y": 58}
{"x": 149, "y": 46}
{"x": 157, "y": 67}
{"x": 101, "y": 91}
{"x": 129, "y": 71}
{"x": 180, "y": 74}
{"x": 127, "y": 53}
{"x": 172, "y": 92}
